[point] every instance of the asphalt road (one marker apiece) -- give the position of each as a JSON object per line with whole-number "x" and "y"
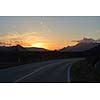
{"x": 54, "y": 71}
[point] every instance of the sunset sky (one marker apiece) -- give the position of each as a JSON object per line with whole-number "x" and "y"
{"x": 47, "y": 32}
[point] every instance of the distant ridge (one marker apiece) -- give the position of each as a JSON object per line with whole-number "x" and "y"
{"x": 79, "y": 47}
{"x": 20, "y": 48}
{"x": 83, "y": 45}
{"x": 36, "y": 49}
{"x": 94, "y": 51}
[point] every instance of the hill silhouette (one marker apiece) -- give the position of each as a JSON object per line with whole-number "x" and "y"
{"x": 20, "y": 48}
{"x": 79, "y": 47}
{"x": 21, "y": 55}
{"x": 83, "y": 45}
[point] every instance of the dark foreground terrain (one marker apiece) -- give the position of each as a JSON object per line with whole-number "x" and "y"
{"x": 54, "y": 71}
{"x": 20, "y": 65}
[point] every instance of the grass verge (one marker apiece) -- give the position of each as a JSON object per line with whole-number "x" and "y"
{"x": 83, "y": 72}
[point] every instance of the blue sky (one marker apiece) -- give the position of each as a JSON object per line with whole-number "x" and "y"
{"x": 52, "y": 29}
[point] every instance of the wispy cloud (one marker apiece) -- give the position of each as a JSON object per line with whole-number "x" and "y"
{"x": 25, "y": 39}
{"x": 87, "y": 40}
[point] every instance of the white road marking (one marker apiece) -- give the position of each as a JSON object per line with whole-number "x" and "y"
{"x": 69, "y": 70}
{"x": 39, "y": 69}
{"x": 68, "y": 73}
{"x": 69, "y": 65}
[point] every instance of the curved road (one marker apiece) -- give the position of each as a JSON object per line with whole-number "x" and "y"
{"x": 57, "y": 71}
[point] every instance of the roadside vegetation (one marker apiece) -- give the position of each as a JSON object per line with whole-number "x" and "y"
{"x": 85, "y": 70}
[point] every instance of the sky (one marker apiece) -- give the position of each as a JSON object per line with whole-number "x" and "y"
{"x": 50, "y": 32}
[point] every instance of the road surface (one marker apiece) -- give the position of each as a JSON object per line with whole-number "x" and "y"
{"x": 48, "y": 71}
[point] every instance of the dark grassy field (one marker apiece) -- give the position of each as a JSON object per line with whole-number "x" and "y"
{"x": 11, "y": 59}
{"x": 85, "y": 71}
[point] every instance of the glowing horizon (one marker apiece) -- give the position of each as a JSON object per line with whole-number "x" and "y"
{"x": 47, "y": 32}
{"x": 39, "y": 45}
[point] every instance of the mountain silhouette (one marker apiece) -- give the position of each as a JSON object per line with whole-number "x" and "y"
{"x": 94, "y": 51}
{"x": 79, "y": 47}
{"x": 83, "y": 45}
{"x": 20, "y": 48}
{"x": 35, "y": 49}
{"x": 11, "y": 48}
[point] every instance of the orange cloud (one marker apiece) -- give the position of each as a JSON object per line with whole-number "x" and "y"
{"x": 32, "y": 39}
{"x": 24, "y": 39}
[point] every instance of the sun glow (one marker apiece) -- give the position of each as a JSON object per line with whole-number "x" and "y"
{"x": 39, "y": 45}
